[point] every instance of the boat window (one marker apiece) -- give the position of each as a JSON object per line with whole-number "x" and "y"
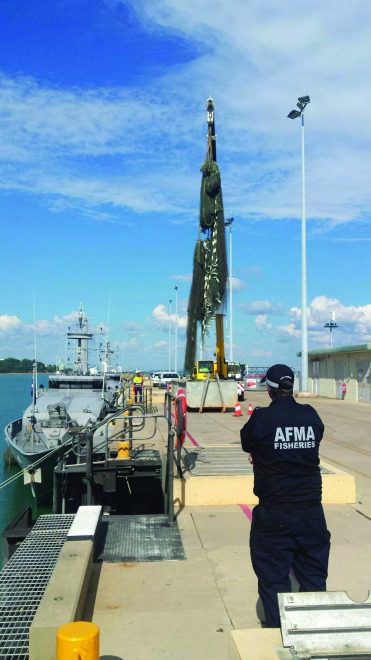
{"x": 95, "y": 384}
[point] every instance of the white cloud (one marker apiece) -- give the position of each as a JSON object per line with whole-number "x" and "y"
{"x": 262, "y": 323}
{"x": 326, "y": 58}
{"x": 159, "y": 346}
{"x": 163, "y": 318}
{"x": 48, "y": 136}
{"x": 237, "y": 284}
{"x": 132, "y": 328}
{"x": 42, "y": 327}
{"x": 9, "y": 323}
{"x": 354, "y": 321}
{"x": 289, "y": 330}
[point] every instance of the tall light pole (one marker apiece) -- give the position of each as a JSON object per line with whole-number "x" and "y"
{"x": 302, "y": 104}
{"x": 176, "y": 330}
{"x": 331, "y": 325}
{"x": 228, "y": 223}
{"x": 170, "y": 301}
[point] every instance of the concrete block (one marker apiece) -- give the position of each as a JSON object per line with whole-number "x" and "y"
{"x": 255, "y": 644}
{"x": 337, "y": 488}
{"x": 64, "y": 598}
{"x": 195, "y": 391}
{"x": 218, "y": 490}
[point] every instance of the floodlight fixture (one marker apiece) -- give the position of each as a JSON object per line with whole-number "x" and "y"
{"x": 301, "y": 104}
{"x": 331, "y": 325}
{"x": 293, "y": 114}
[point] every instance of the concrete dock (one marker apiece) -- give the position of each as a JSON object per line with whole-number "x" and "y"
{"x": 206, "y": 605}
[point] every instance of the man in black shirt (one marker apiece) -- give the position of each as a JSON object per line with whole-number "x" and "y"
{"x": 288, "y": 530}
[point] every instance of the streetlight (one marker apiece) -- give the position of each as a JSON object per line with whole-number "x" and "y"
{"x": 170, "y": 301}
{"x": 228, "y": 223}
{"x": 176, "y": 330}
{"x": 331, "y": 325}
{"x": 302, "y": 104}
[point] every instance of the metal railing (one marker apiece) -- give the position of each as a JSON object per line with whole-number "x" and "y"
{"x": 87, "y": 451}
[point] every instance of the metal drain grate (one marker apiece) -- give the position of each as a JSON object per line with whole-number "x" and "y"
{"x": 24, "y": 579}
{"x": 138, "y": 538}
{"x": 217, "y": 461}
{"x": 212, "y": 461}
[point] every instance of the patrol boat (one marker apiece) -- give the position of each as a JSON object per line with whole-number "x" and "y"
{"x": 75, "y": 398}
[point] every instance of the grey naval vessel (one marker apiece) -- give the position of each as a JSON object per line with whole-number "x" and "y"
{"x": 76, "y": 397}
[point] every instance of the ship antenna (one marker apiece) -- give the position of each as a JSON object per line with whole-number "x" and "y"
{"x": 34, "y": 366}
{"x": 107, "y": 348}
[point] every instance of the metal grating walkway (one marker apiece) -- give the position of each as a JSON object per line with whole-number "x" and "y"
{"x": 24, "y": 579}
{"x": 217, "y": 461}
{"x": 138, "y": 538}
{"x": 210, "y": 461}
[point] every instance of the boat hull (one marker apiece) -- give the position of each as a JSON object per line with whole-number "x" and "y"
{"x": 44, "y": 459}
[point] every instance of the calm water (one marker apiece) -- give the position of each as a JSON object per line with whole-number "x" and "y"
{"x": 15, "y": 396}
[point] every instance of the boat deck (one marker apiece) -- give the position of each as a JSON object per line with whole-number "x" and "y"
{"x": 186, "y": 606}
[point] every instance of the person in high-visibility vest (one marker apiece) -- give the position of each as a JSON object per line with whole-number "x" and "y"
{"x": 138, "y": 386}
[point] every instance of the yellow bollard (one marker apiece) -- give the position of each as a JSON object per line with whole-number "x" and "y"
{"x": 123, "y": 450}
{"x": 78, "y": 641}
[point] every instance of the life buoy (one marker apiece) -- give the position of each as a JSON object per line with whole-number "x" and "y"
{"x": 180, "y": 416}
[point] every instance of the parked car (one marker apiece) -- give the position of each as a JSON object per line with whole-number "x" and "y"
{"x": 155, "y": 378}
{"x": 168, "y": 377}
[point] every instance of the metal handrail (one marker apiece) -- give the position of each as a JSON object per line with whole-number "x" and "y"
{"x": 173, "y": 455}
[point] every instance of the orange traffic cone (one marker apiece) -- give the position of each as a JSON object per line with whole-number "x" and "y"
{"x": 249, "y": 412}
{"x": 237, "y": 410}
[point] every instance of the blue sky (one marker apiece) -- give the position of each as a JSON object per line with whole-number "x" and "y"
{"x": 103, "y": 132}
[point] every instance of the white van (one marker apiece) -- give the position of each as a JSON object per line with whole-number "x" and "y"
{"x": 168, "y": 377}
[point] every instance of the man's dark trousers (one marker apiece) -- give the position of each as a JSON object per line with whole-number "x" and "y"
{"x": 285, "y": 537}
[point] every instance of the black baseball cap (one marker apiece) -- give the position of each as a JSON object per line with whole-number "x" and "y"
{"x": 279, "y": 376}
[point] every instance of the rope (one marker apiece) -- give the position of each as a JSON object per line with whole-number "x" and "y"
{"x": 33, "y": 466}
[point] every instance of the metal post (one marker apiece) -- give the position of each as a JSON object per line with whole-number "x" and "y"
{"x": 302, "y": 104}
{"x": 168, "y": 494}
{"x": 228, "y": 223}
{"x": 55, "y": 490}
{"x": 304, "y": 311}
{"x": 230, "y": 296}
{"x": 89, "y": 467}
{"x": 170, "y": 301}
{"x": 176, "y": 330}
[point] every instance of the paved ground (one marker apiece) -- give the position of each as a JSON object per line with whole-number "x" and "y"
{"x": 184, "y": 610}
